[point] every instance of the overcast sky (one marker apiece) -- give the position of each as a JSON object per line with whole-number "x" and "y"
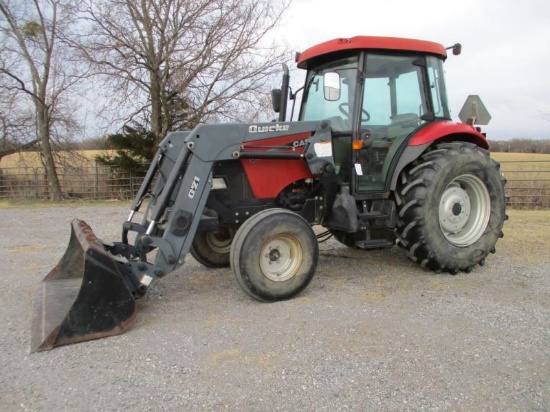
{"x": 505, "y": 56}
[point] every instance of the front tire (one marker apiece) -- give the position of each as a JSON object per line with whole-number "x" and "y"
{"x": 451, "y": 206}
{"x": 274, "y": 255}
{"x": 212, "y": 249}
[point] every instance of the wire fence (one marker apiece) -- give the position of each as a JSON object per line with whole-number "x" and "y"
{"x": 98, "y": 182}
{"x": 528, "y": 183}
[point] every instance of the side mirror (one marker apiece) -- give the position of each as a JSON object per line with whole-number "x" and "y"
{"x": 331, "y": 83}
{"x": 457, "y": 49}
{"x": 276, "y": 100}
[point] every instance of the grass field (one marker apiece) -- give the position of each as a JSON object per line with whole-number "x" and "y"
{"x": 77, "y": 158}
{"x": 522, "y": 157}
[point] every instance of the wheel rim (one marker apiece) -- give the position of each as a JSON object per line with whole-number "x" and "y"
{"x": 220, "y": 241}
{"x": 464, "y": 210}
{"x": 280, "y": 258}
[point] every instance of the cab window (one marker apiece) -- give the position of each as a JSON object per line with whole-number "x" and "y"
{"x": 336, "y": 107}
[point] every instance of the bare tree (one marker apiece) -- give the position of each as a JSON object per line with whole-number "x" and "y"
{"x": 34, "y": 65}
{"x": 16, "y": 120}
{"x": 180, "y": 62}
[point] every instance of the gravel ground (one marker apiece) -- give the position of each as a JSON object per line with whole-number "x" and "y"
{"x": 373, "y": 331}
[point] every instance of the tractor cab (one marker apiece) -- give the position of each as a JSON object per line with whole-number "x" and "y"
{"x": 376, "y": 92}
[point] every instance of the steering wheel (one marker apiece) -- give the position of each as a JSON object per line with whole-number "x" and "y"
{"x": 342, "y": 107}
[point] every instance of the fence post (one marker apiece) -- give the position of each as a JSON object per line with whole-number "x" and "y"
{"x": 96, "y": 181}
{"x": 36, "y": 183}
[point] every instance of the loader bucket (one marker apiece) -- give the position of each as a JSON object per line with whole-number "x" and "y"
{"x": 84, "y": 297}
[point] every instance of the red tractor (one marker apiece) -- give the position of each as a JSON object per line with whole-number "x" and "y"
{"x": 374, "y": 158}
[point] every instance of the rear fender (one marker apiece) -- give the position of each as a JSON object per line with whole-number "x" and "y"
{"x": 444, "y": 131}
{"x": 447, "y": 130}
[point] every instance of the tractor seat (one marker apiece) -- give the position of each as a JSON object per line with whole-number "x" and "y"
{"x": 402, "y": 124}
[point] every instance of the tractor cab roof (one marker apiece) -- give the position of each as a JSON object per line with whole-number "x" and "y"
{"x": 371, "y": 43}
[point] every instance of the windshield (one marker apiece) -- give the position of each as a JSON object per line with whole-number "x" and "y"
{"x": 339, "y": 111}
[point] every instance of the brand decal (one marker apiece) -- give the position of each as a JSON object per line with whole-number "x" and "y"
{"x": 194, "y": 187}
{"x": 300, "y": 143}
{"x": 254, "y": 128}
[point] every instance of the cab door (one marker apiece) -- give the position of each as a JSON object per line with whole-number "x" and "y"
{"x": 393, "y": 103}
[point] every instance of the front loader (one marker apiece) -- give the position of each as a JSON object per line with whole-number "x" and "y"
{"x": 374, "y": 158}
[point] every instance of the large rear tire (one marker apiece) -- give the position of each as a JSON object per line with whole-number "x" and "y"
{"x": 451, "y": 206}
{"x": 212, "y": 249}
{"x": 274, "y": 255}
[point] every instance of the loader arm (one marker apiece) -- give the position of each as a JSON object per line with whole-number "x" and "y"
{"x": 184, "y": 166}
{"x": 100, "y": 280}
